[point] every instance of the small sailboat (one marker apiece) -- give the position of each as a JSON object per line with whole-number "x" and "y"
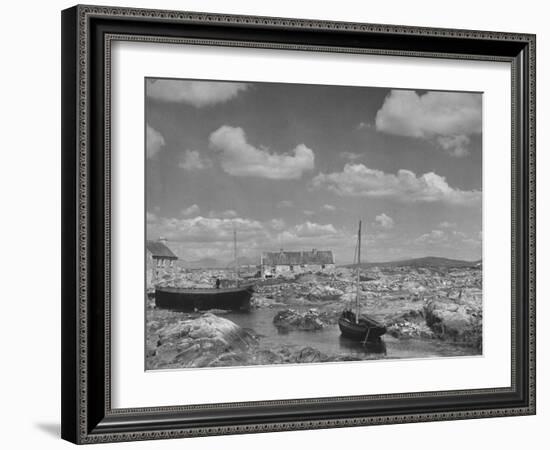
{"x": 199, "y": 299}
{"x": 353, "y": 324}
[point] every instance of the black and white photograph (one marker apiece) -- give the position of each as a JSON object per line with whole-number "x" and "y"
{"x": 266, "y": 225}
{"x": 294, "y": 223}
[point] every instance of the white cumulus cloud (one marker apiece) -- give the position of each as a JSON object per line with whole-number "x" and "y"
{"x": 196, "y": 93}
{"x": 155, "y": 142}
{"x": 191, "y": 211}
{"x": 199, "y": 236}
{"x": 206, "y": 229}
{"x": 307, "y": 230}
{"x": 314, "y": 229}
{"x": 433, "y": 237}
{"x": 239, "y": 158}
{"x": 455, "y": 145}
{"x": 363, "y": 125}
{"x": 313, "y": 235}
{"x": 384, "y": 221}
{"x": 357, "y": 180}
{"x": 277, "y": 224}
{"x": 448, "y": 118}
{"x": 192, "y": 160}
{"x": 446, "y": 224}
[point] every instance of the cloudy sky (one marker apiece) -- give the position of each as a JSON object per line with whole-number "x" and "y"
{"x": 296, "y": 166}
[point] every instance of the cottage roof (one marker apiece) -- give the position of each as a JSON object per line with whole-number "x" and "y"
{"x": 160, "y": 250}
{"x": 317, "y": 257}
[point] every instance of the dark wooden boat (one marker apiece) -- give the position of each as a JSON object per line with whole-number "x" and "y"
{"x": 188, "y": 299}
{"x": 354, "y": 325}
{"x": 202, "y": 299}
{"x": 365, "y": 329}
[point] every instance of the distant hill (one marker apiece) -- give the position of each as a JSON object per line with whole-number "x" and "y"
{"x": 427, "y": 261}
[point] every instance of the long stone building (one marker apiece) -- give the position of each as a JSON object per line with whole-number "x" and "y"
{"x": 287, "y": 263}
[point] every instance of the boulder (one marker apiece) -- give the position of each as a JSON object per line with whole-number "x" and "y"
{"x": 205, "y": 341}
{"x": 207, "y": 326}
{"x": 455, "y": 321}
{"x": 290, "y": 319}
{"x": 410, "y": 330}
{"x": 324, "y": 293}
{"x": 267, "y": 357}
{"x": 309, "y": 355}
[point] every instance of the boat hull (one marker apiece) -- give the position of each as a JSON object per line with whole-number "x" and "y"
{"x": 182, "y": 299}
{"x": 366, "y": 330}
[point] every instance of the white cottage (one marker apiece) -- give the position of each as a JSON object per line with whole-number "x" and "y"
{"x": 288, "y": 263}
{"x": 159, "y": 257}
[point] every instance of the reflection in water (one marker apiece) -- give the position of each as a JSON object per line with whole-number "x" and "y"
{"x": 330, "y": 342}
{"x": 375, "y": 347}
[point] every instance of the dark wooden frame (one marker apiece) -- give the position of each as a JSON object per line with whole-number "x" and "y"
{"x": 87, "y": 32}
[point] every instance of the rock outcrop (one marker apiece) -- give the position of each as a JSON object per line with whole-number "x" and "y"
{"x": 309, "y": 355}
{"x": 406, "y": 329}
{"x": 456, "y": 321}
{"x": 290, "y": 319}
{"x": 205, "y": 341}
{"x": 408, "y": 324}
{"x": 322, "y": 293}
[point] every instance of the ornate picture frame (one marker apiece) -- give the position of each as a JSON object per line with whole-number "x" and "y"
{"x": 88, "y": 33}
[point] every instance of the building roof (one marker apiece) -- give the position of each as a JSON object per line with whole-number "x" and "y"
{"x": 298, "y": 258}
{"x": 160, "y": 250}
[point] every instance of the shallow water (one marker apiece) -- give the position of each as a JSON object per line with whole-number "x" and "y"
{"x": 329, "y": 341}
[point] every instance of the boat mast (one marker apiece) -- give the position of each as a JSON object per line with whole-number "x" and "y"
{"x": 235, "y": 256}
{"x": 358, "y": 274}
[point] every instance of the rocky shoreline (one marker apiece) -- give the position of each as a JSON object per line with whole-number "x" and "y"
{"x": 212, "y": 341}
{"x": 312, "y": 303}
